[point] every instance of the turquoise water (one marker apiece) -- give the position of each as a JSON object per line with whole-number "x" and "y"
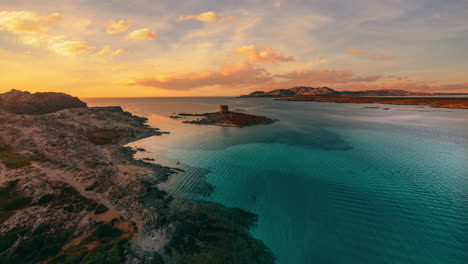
{"x": 331, "y": 183}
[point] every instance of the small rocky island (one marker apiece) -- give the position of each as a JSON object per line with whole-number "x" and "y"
{"x": 224, "y": 117}
{"x": 72, "y": 192}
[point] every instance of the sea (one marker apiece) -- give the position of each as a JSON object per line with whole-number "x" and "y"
{"x": 330, "y": 183}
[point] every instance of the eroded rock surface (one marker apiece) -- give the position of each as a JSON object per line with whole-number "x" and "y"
{"x": 77, "y": 195}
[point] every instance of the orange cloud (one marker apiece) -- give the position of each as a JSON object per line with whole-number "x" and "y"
{"x": 19, "y": 22}
{"x": 68, "y": 48}
{"x": 208, "y": 17}
{"x": 374, "y": 57}
{"x": 119, "y": 51}
{"x": 241, "y": 73}
{"x": 107, "y": 50}
{"x": 356, "y": 51}
{"x": 116, "y": 27}
{"x": 324, "y": 77}
{"x": 277, "y": 3}
{"x": 140, "y": 34}
{"x": 407, "y": 85}
{"x": 262, "y": 55}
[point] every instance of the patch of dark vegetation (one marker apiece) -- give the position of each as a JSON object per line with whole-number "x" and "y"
{"x": 100, "y": 209}
{"x": 90, "y": 188}
{"x": 14, "y": 203}
{"x": 210, "y": 233}
{"x": 104, "y": 233}
{"x": 14, "y": 160}
{"x": 10, "y": 200}
{"x": 109, "y": 254}
{"x": 37, "y": 246}
{"x": 9, "y": 238}
{"x": 72, "y": 255}
{"x": 72, "y": 201}
{"x": 45, "y": 199}
{"x": 106, "y": 136}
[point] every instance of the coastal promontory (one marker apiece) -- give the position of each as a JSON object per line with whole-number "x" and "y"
{"x": 72, "y": 192}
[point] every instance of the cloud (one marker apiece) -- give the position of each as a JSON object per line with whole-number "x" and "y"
{"x": 356, "y": 51}
{"x": 277, "y": 3}
{"x": 208, "y": 17}
{"x": 116, "y": 27}
{"x": 119, "y": 51}
{"x": 140, "y": 34}
{"x": 407, "y": 85}
{"x": 262, "y": 55}
{"x": 108, "y": 51}
{"x": 67, "y": 47}
{"x": 19, "y": 22}
{"x": 374, "y": 57}
{"x": 318, "y": 77}
{"x": 237, "y": 74}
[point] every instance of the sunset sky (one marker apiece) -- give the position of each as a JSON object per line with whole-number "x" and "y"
{"x": 119, "y": 48}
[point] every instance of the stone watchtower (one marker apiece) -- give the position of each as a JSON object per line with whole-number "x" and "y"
{"x": 224, "y": 109}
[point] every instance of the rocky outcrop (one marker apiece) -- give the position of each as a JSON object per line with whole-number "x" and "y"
{"x": 83, "y": 198}
{"x": 19, "y": 102}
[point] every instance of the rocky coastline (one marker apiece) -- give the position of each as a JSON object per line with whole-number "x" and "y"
{"x": 438, "y": 102}
{"x": 72, "y": 192}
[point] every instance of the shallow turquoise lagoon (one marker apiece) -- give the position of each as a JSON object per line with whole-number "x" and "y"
{"x": 331, "y": 183}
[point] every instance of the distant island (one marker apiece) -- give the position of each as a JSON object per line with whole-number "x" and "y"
{"x": 72, "y": 192}
{"x": 224, "y": 117}
{"x": 325, "y": 94}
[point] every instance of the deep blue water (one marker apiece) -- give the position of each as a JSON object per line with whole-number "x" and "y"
{"x": 331, "y": 183}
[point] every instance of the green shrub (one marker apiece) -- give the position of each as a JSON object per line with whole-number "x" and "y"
{"x": 9, "y": 238}
{"x": 14, "y": 160}
{"x": 105, "y": 136}
{"x": 14, "y": 203}
{"x": 72, "y": 255}
{"x": 104, "y": 233}
{"x": 110, "y": 254}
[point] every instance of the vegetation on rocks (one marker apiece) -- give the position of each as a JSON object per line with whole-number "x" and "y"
{"x": 14, "y": 160}
{"x": 106, "y": 136}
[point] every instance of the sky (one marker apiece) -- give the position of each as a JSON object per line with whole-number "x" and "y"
{"x": 139, "y": 48}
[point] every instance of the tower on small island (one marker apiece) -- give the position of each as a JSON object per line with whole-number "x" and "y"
{"x": 224, "y": 109}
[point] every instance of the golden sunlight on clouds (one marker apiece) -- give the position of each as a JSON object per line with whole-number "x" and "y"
{"x": 374, "y": 57}
{"x": 356, "y": 51}
{"x": 208, "y": 17}
{"x": 141, "y": 34}
{"x": 68, "y": 48}
{"x": 116, "y": 27}
{"x": 263, "y": 55}
{"x": 19, "y": 22}
{"x": 108, "y": 51}
{"x": 236, "y": 74}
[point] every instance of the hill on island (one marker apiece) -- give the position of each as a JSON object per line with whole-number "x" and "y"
{"x": 325, "y": 91}
{"x": 19, "y": 102}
